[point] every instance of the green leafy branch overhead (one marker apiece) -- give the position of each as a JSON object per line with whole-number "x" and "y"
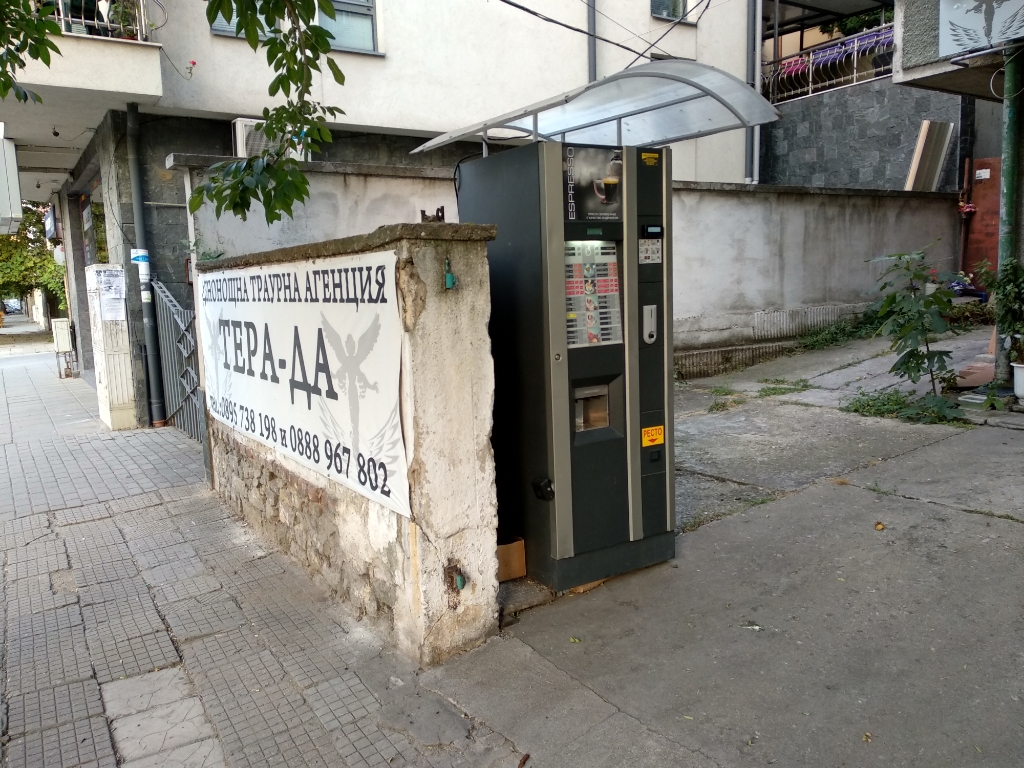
{"x": 294, "y": 45}
{"x": 25, "y": 33}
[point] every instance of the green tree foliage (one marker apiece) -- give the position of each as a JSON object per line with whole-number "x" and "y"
{"x": 1009, "y": 301}
{"x": 851, "y": 25}
{"x": 26, "y": 261}
{"x": 25, "y": 31}
{"x": 294, "y": 46}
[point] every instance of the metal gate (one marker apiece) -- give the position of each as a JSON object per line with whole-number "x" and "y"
{"x": 175, "y": 325}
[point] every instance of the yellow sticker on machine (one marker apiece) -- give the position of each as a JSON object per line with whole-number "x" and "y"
{"x": 652, "y": 436}
{"x": 650, "y": 158}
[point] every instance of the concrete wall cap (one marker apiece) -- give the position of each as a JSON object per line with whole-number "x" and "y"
{"x": 181, "y": 161}
{"x": 769, "y": 189}
{"x": 374, "y": 241}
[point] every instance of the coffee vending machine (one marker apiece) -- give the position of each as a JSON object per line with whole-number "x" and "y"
{"x": 581, "y": 334}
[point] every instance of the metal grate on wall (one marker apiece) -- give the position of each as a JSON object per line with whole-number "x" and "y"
{"x": 790, "y": 323}
{"x": 178, "y": 359}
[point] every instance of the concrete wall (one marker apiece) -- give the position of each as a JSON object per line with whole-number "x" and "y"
{"x": 340, "y": 205}
{"x": 753, "y": 265}
{"x": 917, "y": 32}
{"x": 387, "y": 566}
{"x": 860, "y": 136}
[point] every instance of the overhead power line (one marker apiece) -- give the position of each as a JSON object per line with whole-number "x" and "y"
{"x": 639, "y": 54}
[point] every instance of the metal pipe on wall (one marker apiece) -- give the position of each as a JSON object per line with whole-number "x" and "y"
{"x": 753, "y": 59}
{"x": 592, "y": 40}
{"x": 157, "y": 412}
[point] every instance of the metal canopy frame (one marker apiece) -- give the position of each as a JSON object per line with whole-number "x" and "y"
{"x": 650, "y": 106}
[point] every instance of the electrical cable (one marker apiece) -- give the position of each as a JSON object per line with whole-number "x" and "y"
{"x": 455, "y": 175}
{"x": 166, "y": 16}
{"x": 672, "y": 26}
{"x": 992, "y": 79}
{"x": 633, "y": 35}
{"x": 570, "y": 27}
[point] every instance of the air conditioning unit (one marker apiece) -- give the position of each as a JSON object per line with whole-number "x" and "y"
{"x": 10, "y": 187}
{"x": 248, "y": 141}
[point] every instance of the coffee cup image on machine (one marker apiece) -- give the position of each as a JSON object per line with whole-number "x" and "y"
{"x": 597, "y": 180}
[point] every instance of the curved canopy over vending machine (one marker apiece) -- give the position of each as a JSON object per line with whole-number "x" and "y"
{"x": 581, "y": 309}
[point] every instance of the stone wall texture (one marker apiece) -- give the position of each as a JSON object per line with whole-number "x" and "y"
{"x": 861, "y": 136}
{"x": 397, "y": 571}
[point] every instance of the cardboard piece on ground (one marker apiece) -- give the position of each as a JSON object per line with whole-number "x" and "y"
{"x": 511, "y": 560}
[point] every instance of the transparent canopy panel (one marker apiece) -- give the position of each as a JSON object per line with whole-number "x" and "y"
{"x": 650, "y": 105}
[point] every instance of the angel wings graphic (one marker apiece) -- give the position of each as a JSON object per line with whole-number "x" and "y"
{"x": 967, "y": 38}
{"x": 349, "y": 375}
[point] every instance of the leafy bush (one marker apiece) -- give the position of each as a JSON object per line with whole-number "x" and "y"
{"x": 971, "y": 314}
{"x": 1009, "y": 310}
{"x": 911, "y": 317}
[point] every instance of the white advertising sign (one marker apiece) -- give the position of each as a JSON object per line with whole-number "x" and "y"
{"x": 305, "y": 358}
{"x": 968, "y": 25}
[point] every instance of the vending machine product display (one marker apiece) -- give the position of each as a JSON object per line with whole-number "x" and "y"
{"x": 581, "y": 335}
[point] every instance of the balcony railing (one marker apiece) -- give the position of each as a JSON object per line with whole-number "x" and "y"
{"x": 124, "y": 19}
{"x": 848, "y": 60}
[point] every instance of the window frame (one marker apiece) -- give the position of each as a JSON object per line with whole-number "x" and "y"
{"x": 368, "y": 8}
{"x": 682, "y": 11}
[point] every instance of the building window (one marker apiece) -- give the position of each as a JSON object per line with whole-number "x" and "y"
{"x": 668, "y": 9}
{"x": 354, "y": 26}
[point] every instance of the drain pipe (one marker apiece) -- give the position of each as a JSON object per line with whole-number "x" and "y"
{"x": 592, "y": 40}
{"x": 753, "y": 59}
{"x": 140, "y": 256}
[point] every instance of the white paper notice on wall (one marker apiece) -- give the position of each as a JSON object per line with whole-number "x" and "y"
{"x": 305, "y": 358}
{"x": 982, "y": 173}
{"x": 110, "y": 285}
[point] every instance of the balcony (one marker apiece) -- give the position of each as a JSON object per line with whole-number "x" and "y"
{"x": 122, "y": 19}
{"x": 839, "y": 62}
{"x": 102, "y": 66}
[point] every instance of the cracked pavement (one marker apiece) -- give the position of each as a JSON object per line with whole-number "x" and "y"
{"x": 145, "y": 626}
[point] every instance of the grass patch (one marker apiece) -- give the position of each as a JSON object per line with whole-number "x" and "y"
{"x": 724, "y": 405}
{"x": 856, "y": 327}
{"x": 782, "y": 387}
{"x": 896, "y": 404}
{"x": 723, "y": 391}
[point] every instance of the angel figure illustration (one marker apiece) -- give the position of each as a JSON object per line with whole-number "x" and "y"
{"x": 968, "y": 38}
{"x": 349, "y": 375}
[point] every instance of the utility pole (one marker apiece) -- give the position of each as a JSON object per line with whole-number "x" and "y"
{"x": 1008, "y": 193}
